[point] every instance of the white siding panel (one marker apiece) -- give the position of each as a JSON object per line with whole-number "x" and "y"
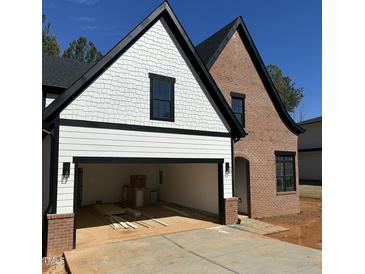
{"x": 75, "y": 141}
{"x": 49, "y": 101}
{"x": 122, "y": 93}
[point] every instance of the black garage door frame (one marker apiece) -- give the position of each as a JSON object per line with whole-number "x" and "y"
{"x": 131, "y": 160}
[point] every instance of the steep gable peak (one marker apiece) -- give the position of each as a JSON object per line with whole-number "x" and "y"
{"x": 210, "y": 49}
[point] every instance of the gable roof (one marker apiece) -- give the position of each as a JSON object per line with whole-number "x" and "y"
{"x": 167, "y": 16}
{"x": 311, "y": 121}
{"x": 211, "y": 48}
{"x": 61, "y": 72}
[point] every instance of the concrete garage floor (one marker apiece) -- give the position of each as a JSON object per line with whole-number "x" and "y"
{"x": 90, "y": 225}
{"x": 219, "y": 249}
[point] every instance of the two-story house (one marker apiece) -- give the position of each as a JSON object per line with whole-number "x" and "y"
{"x": 204, "y": 123}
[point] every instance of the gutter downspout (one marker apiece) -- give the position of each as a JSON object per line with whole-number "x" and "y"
{"x": 44, "y": 217}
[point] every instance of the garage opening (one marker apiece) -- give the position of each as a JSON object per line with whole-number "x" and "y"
{"x": 126, "y": 199}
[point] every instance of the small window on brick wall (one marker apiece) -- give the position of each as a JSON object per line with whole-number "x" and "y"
{"x": 285, "y": 171}
{"x": 238, "y": 106}
{"x": 162, "y": 105}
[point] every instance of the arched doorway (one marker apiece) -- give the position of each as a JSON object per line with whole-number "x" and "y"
{"x": 242, "y": 185}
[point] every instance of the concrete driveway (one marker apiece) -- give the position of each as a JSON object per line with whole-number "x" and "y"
{"x": 220, "y": 249}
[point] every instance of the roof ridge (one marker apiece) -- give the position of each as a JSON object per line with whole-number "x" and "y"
{"x": 217, "y": 31}
{"x": 215, "y": 42}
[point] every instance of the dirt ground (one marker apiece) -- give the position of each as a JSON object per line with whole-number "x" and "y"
{"x": 53, "y": 269}
{"x": 305, "y": 227}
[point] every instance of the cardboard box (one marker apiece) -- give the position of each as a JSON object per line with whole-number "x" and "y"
{"x": 132, "y": 196}
{"x": 138, "y": 180}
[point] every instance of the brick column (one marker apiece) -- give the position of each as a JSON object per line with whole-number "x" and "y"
{"x": 230, "y": 210}
{"x": 60, "y": 233}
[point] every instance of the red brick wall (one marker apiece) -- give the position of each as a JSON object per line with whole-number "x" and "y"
{"x": 234, "y": 71}
{"x": 231, "y": 210}
{"x": 60, "y": 233}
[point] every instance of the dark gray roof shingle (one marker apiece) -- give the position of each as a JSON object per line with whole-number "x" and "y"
{"x": 61, "y": 72}
{"x": 209, "y": 47}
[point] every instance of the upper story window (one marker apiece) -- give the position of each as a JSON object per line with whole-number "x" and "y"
{"x": 238, "y": 106}
{"x": 162, "y": 105}
{"x": 285, "y": 171}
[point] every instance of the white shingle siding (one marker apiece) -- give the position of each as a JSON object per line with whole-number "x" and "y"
{"x": 49, "y": 101}
{"x": 95, "y": 142}
{"x": 122, "y": 93}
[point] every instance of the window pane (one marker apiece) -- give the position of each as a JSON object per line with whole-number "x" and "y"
{"x": 239, "y": 117}
{"x": 237, "y": 105}
{"x": 156, "y": 88}
{"x": 161, "y": 90}
{"x": 280, "y": 184}
{"x": 279, "y": 158}
{"x": 285, "y": 172}
{"x": 279, "y": 169}
{"x": 165, "y": 92}
{"x": 289, "y": 169}
{"x": 289, "y": 158}
{"x": 289, "y": 183}
{"x": 161, "y": 109}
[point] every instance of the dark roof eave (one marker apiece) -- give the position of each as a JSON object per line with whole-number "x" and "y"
{"x": 53, "y": 89}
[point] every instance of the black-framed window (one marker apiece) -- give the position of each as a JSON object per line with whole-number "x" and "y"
{"x": 238, "y": 106}
{"x": 162, "y": 93}
{"x": 285, "y": 171}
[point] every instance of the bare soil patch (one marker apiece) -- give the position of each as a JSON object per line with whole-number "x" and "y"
{"x": 53, "y": 269}
{"x": 305, "y": 227}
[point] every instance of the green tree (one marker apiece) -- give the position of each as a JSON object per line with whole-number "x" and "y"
{"x": 83, "y": 50}
{"x": 50, "y": 44}
{"x": 289, "y": 94}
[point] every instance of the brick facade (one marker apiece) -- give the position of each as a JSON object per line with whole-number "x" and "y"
{"x": 234, "y": 71}
{"x": 60, "y": 233}
{"x": 230, "y": 210}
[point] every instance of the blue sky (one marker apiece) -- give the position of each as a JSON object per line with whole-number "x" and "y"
{"x": 287, "y": 33}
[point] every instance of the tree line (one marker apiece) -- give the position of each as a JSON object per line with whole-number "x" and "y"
{"x": 85, "y": 51}
{"x": 79, "y": 49}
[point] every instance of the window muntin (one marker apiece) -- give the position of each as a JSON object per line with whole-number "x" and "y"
{"x": 285, "y": 172}
{"x": 162, "y": 98}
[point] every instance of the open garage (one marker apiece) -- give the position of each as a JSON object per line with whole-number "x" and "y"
{"x": 132, "y": 198}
